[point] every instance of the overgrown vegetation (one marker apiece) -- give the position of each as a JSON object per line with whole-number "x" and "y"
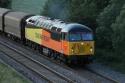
{"x": 110, "y": 34}
{"x": 86, "y": 11}
{"x": 106, "y": 18}
{"x": 56, "y": 9}
{"x": 5, "y": 3}
{"x": 9, "y": 76}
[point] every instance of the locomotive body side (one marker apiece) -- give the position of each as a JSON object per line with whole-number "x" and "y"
{"x": 72, "y": 41}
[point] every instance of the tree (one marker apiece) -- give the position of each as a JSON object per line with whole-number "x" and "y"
{"x": 86, "y": 11}
{"x": 56, "y": 9}
{"x": 5, "y": 3}
{"x": 105, "y": 20}
{"x": 118, "y": 36}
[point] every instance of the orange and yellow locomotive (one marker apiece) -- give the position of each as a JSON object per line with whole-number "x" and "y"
{"x": 70, "y": 42}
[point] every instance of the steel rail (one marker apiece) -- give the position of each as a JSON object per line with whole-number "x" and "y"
{"x": 105, "y": 77}
{"x": 53, "y": 71}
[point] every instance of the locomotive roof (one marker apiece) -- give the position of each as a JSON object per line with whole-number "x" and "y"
{"x": 55, "y": 24}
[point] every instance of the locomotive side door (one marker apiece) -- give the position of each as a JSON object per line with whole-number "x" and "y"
{"x": 64, "y": 44}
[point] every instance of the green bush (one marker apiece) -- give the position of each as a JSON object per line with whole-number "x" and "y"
{"x": 56, "y": 9}
{"x": 118, "y": 36}
{"x": 86, "y": 11}
{"x": 105, "y": 20}
{"x": 5, "y": 3}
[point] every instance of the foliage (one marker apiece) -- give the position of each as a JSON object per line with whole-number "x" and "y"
{"x": 86, "y": 11}
{"x": 118, "y": 36}
{"x": 110, "y": 35}
{"x": 105, "y": 20}
{"x": 5, "y": 3}
{"x": 56, "y": 9}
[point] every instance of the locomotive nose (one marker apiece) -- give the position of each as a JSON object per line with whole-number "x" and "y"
{"x": 81, "y": 48}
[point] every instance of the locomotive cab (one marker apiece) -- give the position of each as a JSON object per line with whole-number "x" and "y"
{"x": 79, "y": 41}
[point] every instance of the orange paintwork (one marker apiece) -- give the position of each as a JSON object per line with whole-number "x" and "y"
{"x": 65, "y": 47}
{"x": 48, "y": 42}
{"x": 59, "y": 46}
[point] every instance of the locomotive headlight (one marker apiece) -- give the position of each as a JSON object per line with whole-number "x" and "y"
{"x": 91, "y": 49}
{"x": 82, "y": 43}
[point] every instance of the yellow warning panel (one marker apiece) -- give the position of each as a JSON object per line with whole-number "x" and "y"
{"x": 81, "y": 48}
{"x": 34, "y": 34}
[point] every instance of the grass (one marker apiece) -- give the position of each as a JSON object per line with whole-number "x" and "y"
{"x": 8, "y": 75}
{"x": 111, "y": 59}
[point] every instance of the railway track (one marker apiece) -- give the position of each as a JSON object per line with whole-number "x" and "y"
{"x": 96, "y": 77}
{"x": 42, "y": 70}
{"x": 105, "y": 77}
{"x": 80, "y": 71}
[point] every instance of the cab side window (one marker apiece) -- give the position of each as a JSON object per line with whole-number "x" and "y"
{"x": 55, "y": 36}
{"x": 65, "y": 36}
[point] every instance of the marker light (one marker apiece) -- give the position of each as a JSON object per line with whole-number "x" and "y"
{"x": 91, "y": 50}
{"x": 82, "y": 43}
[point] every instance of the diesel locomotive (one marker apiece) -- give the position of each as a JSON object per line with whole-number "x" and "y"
{"x": 67, "y": 42}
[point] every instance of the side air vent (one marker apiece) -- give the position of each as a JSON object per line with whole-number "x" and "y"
{"x": 59, "y": 29}
{"x": 54, "y": 28}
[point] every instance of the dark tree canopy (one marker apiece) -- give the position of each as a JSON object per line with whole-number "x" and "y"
{"x": 105, "y": 20}
{"x": 56, "y": 9}
{"x": 86, "y": 11}
{"x": 118, "y": 36}
{"x": 5, "y": 3}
